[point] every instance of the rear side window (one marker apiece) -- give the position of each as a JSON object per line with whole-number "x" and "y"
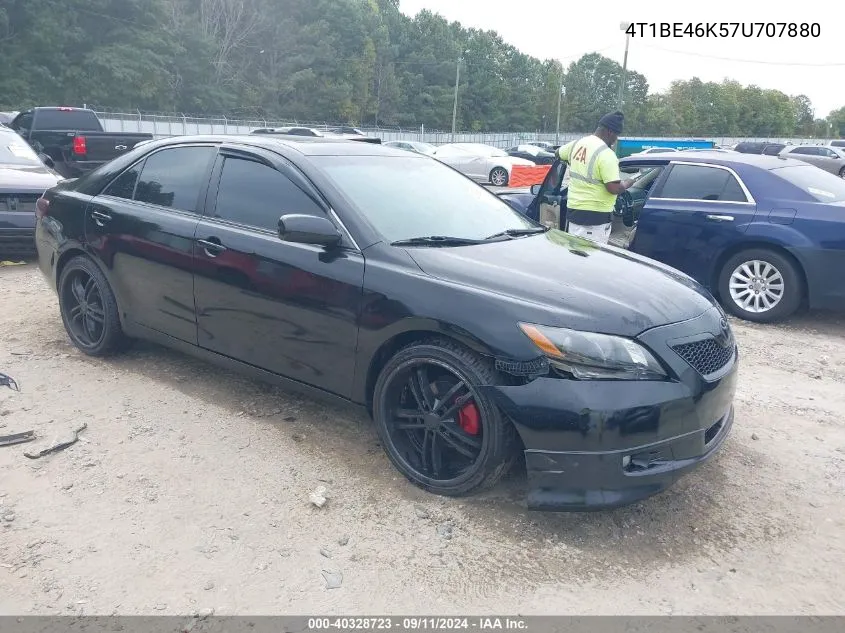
{"x": 77, "y": 120}
{"x": 256, "y": 195}
{"x": 174, "y": 177}
{"x": 806, "y": 151}
{"x": 838, "y": 143}
{"x": 124, "y": 185}
{"x": 700, "y": 182}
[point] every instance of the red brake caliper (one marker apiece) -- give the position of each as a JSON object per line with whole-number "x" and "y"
{"x": 469, "y": 419}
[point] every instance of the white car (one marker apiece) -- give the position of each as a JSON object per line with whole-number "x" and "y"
{"x": 482, "y": 163}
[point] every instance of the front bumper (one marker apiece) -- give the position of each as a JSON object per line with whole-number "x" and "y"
{"x": 593, "y": 445}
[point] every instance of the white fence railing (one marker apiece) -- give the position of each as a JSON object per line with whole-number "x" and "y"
{"x": 160, "y": 125}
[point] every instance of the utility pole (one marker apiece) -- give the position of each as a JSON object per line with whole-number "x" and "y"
{"x": 559, "y": 101}
{"x": 455, "y": 106}
{"x": 624, "y": 26}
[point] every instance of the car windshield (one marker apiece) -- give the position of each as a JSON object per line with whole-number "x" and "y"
{"x": 397, "y": 196}
{"x": 815, "y": 182}
{"x": 14, "y": 151}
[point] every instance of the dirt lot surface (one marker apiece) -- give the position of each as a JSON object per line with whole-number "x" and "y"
{"x": 190, "y": 491}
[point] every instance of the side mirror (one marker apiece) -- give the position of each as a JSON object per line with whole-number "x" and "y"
{"x": 47, "y": 160}
{"x": 308, "y": 229}
{"x": 535, "y": 189}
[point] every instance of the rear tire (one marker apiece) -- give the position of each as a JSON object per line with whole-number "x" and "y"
{"x": 499, "y": 177}
{"x": 476, "y": 444}
{"x": 761, "y": 285}
{"x": 89, "y": 309}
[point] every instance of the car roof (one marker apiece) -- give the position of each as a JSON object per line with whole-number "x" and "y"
{"x": 724, "y": 159}
{"x": 305, "y": 145}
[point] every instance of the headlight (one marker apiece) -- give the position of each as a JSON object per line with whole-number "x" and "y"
{"x": 591, "y": 356}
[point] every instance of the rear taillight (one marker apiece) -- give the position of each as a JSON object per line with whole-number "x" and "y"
{"x": 79, "y": 146}
{"x": 42, "y": 207}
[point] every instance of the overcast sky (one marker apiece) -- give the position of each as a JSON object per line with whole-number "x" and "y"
{"x": 565, "y": 30}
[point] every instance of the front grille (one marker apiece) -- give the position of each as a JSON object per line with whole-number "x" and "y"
{"x": 23, "y": 202}
{"x": 707, "y": 356}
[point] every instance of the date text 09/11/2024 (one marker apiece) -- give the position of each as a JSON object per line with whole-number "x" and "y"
{"x": 416, "y": 624}
{"x": 724, "y": 29}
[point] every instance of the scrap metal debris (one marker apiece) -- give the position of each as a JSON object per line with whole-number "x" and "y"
{"x": 59, "y": 447}
{"x": 8, "y": 381}
{"x": 17, "y": 438}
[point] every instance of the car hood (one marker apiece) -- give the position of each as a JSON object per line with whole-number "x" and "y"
{"x": 26, "y": 178}
{"x": 577, "y": 283}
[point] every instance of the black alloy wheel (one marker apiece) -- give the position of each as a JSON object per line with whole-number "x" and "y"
{"x": 436, "y": 426}
{"x": 89, "y": 309}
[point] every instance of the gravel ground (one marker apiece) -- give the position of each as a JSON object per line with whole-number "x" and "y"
{"x": 189, "y": 490}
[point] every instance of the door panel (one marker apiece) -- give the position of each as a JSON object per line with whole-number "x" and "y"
{"x": 288, "y": 308}
{"x": 689, "y": 234}
{"x": 148, "y": 248}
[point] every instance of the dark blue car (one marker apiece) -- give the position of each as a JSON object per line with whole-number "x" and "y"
{"x": 765, "y": 234}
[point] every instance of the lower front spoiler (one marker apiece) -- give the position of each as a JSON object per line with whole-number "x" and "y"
{"x": 582, "y": 481}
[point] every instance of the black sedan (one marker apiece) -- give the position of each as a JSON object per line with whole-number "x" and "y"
{"x": 23, "y": 178}
{"x": 470, "y": 332}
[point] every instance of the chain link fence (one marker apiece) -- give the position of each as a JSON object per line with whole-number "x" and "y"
{"x": 163, "y": 125}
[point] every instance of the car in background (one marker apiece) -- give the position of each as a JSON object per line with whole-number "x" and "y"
{"x": 548, "y": 147}
{"x": 655, "y": 150}
{"x": 313, "y": 133}
{"x": 23, "y": 178}
{"x": 759, "y": 147}
{"x": 482, "y": 163}
{"x": 346, "y": 130}
{"x": 831, "y": 159}
{"x": 72, "y": 141}
{"x": 840, "y": 143}
{"x": 417, "y": 147}
{"x": 765, "y": 234}
{"x": 6, "y": 118}
{"x": 533, "y": 153}
{"x": 363, "y": 272}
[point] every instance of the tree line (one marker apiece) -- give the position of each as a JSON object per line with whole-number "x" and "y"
{"x": 349, "y": 61}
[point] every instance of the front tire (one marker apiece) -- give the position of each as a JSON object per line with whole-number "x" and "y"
{"x": 842, "y": 173}
{"x": 760, "y": 285}
{"x": 499, "y": 177}
{"x": 436, "y": 426}
{"x": 89, "y": 309}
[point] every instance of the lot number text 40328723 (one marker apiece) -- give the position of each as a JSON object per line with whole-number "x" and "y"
{"x": 723, "y": 29}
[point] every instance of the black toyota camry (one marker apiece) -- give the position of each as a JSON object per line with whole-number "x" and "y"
{"x": 390, "y": 280}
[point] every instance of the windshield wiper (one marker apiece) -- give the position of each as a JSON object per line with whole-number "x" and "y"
{"x": 519, "y": 232}
{"x": 437, "y": 240}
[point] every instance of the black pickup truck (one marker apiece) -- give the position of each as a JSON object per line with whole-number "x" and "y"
{"x": 71, "y": 141}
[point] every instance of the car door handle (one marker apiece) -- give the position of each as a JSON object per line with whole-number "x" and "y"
{"x": 100, "y": 218}
{"x": 212, "y": 246}
{"x": 720, "y": 218}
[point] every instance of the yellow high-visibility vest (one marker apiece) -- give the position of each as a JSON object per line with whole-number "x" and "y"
{"x": 591, "y": 164}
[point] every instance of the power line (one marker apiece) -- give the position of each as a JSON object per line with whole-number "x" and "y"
{"x": 742, "y": 61}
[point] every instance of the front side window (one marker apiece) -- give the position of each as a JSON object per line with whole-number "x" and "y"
{"x": 700, "y": 182}
{"x": 175, "y": 177}
{"x": 255, "y": 195}
{"x": 406, "y": 197}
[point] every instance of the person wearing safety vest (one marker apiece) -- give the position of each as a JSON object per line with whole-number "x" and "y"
{"x": 594, "y": 180}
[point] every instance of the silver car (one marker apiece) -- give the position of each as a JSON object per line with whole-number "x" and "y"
{"x": 826, "y": 157}
{"x": 482, "y": 163}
